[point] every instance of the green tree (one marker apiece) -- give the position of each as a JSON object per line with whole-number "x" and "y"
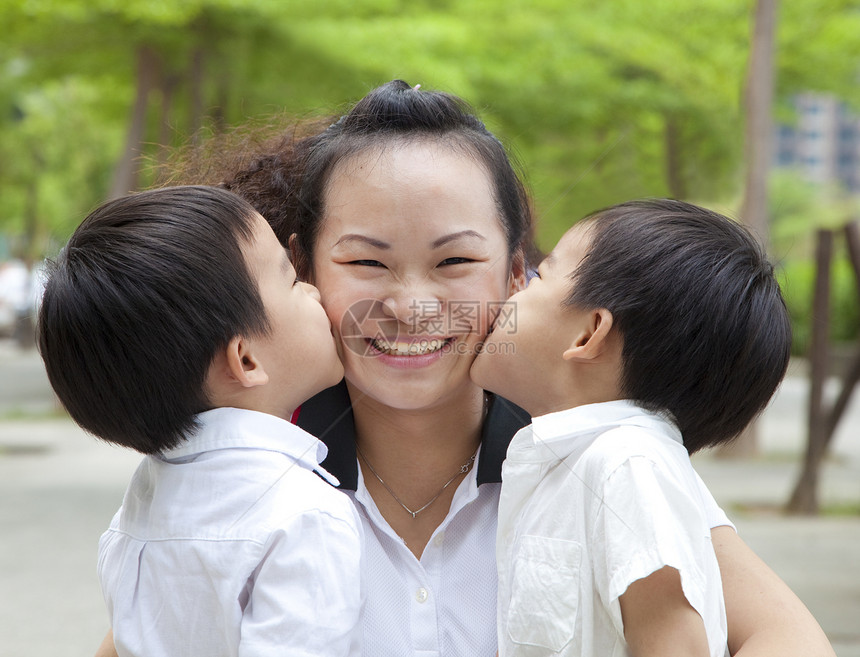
{"x": 601, "y": 101}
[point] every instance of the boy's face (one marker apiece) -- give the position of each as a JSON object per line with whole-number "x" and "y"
{"x": 299, "y": 353}
{"x": 521, "y": 357}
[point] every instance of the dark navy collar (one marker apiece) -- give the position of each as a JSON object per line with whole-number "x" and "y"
{"x": 328, "y": 416}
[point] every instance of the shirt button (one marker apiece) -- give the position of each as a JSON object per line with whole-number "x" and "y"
{"x": 421, "y": 595}
{"x": 440, "y": 538}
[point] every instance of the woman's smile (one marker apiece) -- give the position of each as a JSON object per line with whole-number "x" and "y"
{"x": 419, "y": 347}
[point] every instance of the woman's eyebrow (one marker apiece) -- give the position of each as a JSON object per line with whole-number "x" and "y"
{"x": 445, "y": 239}
{"x": 355, "y": 237}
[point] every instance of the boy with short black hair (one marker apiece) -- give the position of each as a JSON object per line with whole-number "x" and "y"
{"x": 655, "y": 329}
{"x": 172, "y": 323}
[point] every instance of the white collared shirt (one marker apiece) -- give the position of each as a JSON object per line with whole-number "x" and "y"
{"x": 445, "y": 604}
{"x": 593, "y": 499}
{"x": 231, "y": 544}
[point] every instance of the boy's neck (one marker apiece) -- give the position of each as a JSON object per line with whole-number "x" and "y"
{"x": 576, "y": 385}
{"x": 250, "y": 402}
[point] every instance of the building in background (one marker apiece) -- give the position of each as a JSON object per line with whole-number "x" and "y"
{"x": 823, "y": 144}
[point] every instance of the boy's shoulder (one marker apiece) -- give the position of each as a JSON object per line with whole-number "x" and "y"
{"x": 620, "y": 444}
{"x": 264, "y": 469}
{"x": 226, "y": 428}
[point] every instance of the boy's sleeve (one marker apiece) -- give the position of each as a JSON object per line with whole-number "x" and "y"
{"x": 715, "y": 516}
{"x": 306, "y": 595}
{"x": 648, "y": 519}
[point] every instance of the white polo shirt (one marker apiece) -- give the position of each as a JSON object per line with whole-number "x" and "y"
{"x": 231, "y": 544}
{"x": 443, "y": 605}
{"x": 593, "y": 499}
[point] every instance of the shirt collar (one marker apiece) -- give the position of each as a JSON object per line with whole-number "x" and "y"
{"x": 587, "y": 419}
{"x": 237, "y": 428}
{"x": 328, "y": 416}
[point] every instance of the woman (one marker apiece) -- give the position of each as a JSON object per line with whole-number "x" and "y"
{"x": 408, "y": 217}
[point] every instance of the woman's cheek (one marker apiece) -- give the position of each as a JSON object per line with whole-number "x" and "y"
{"x": 493, "y": 305}
{"x": 338, "y": 298}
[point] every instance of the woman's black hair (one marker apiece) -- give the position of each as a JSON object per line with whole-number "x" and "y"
{"x": 287, "y": 184}
{"x": 147, "y": 290}
{"x": 706, "y": 334}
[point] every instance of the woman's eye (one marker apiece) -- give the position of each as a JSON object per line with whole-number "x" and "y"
{"x": 455, "y": 261}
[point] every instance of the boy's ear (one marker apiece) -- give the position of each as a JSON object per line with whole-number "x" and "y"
{"x": 591, "y": 337}
{"x": 518, "y": 273}
{"x": 243, "y": 366}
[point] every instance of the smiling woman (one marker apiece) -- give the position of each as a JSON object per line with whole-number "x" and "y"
{"x": 415, "y": 226}
{"x": 410, "y": 219}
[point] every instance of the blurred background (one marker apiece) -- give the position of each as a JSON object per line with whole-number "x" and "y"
{"x": 751, "y": 107}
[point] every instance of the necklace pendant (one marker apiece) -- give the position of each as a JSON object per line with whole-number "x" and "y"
{"x": 463, "y": 469}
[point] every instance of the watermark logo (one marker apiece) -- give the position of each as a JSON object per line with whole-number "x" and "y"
{"x": 461, "y": 317}
{"x": 367, "y": 320}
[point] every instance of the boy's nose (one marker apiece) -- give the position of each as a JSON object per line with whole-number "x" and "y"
{"x": 312, "y": 290}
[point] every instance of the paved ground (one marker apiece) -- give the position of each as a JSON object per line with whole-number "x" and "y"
{"x": 60, "y": 487}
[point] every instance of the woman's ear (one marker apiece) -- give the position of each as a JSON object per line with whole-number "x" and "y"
{"x": 518, "y": 273}
{"x": 592, "y": 337}
{"x": 299, "y": 258}
{"x": 243, "y": 366}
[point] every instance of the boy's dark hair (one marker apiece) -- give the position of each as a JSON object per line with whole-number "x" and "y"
{"x": 148, "y": 289}
{"x": 706, "y": 331}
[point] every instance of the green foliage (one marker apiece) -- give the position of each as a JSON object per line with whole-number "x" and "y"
{"x": 53, "y": 161}
{"x": 600, "y": 102}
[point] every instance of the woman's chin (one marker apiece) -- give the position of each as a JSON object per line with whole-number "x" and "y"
{"x": 416, "y": 392}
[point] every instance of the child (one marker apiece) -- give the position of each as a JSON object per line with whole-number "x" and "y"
{"x": 653, "y": 326}
{"x": 172, "y": 323}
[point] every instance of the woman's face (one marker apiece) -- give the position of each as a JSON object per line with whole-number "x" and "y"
{"x": 411, "y": 262}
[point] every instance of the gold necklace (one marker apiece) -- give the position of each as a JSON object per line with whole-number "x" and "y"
{"x": 463, "y": 469}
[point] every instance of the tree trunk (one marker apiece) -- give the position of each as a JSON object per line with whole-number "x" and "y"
{"x": 804, "y": 498}
{"x": 674, "y": 167}
{"x": 24, "y": 331}
{"x": 127, "y": 169}
{"x": 759, "y": 124}
{"x": 196, "y": 85}
{"x": 219, "y": 112}
{"x": 759, "y": 127}
{"x": 31, "y": 211}
{"x": 168, "y": 88}
{"x": 823, "y": 421}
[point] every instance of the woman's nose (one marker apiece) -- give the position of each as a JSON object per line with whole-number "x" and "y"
{"x": 413, "y": 306}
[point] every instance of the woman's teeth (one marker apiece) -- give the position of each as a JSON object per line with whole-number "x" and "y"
{"x": 408, "y": 348}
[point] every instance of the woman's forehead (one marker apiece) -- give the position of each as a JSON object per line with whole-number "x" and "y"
{"x": 399, "y": 159}
{"x": 417, "y": 190}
